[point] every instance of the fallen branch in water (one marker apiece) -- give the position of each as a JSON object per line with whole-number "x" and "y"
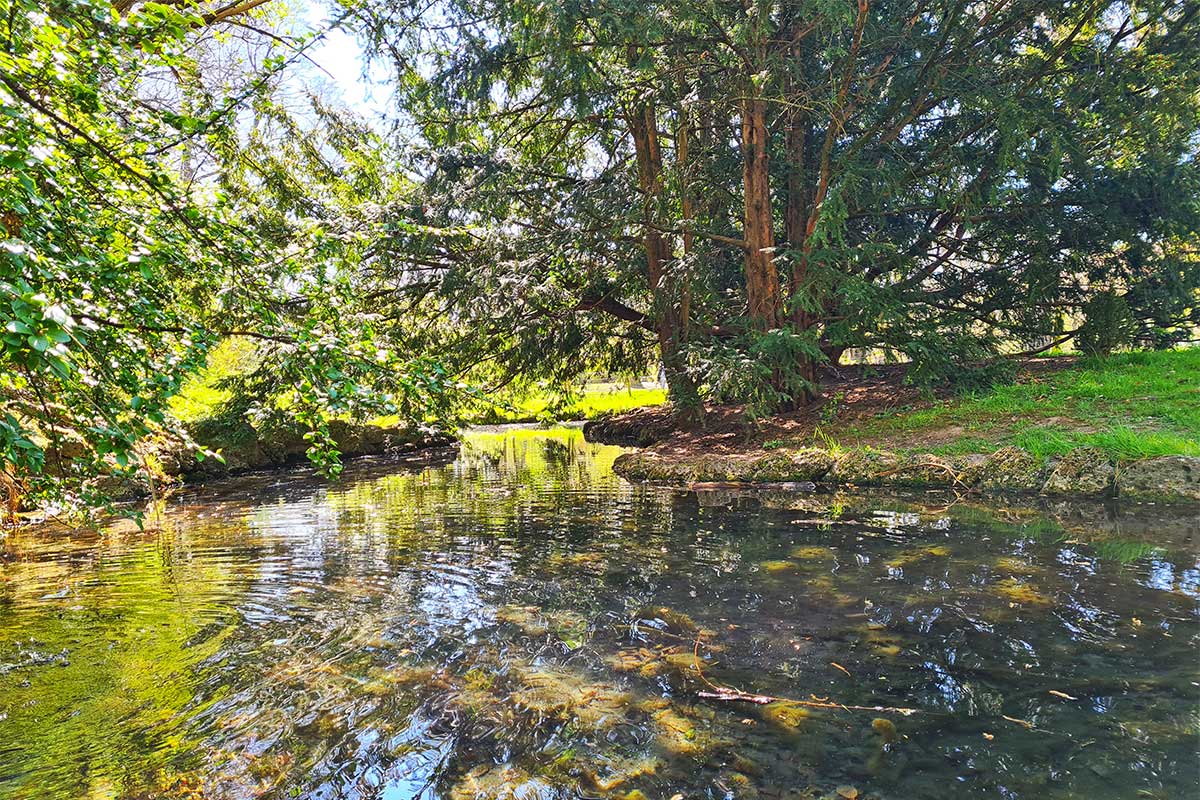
{"x": 734, "y": 696}
{"x": 730, "y": 695}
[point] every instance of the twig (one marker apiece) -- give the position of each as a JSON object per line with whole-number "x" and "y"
{"x": 729, "y": 694}
{"x": 733, "y": 695}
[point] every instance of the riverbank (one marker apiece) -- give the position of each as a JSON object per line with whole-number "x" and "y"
{"x": 243, "y": 449}
{"x": 1126, "y": 426}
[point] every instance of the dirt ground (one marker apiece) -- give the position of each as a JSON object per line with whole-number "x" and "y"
{"x": 848, "y": 395}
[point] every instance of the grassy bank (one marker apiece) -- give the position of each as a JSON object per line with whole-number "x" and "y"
{"x": 1062, "y": 427}
{"x": 203, "y": 396}
{"x": 594, "y": 401}
{"x": 1129, "y": 406}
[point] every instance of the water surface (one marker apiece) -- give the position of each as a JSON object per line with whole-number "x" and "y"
{"x": 519, "y": 623}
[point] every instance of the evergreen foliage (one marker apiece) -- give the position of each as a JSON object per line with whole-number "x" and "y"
{"x": 739, "y": 193}
{"x": 761, "y": 186}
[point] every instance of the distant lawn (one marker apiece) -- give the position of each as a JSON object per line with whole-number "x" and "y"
{"x": 202, "y": 396}
{"x": 595, "y": 401}
{"x": 1132, "y": 405}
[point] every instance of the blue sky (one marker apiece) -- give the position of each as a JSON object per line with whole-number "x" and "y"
{"x": 341, "y": 61}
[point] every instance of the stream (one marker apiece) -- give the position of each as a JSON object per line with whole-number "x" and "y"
{"x": 516, "y": 622}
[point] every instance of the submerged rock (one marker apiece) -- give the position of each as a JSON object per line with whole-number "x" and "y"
{"x": 786, "y": 715}
{"x": 1022, "y": 593}
{"x": 1163, "y": 478}
{"x": 865, "y": 467}
{"x": 500, "y": 782}
{"x": 810, "y": 553}
{"x": 1011, "y": 469}
{"x": 807, "y": 464}
{"x": 1083, "y": 471}
{"x": 886, "y": 729}
{"x": 913, "y": 555}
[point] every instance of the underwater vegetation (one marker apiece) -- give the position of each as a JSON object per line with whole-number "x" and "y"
{"x": 517, "y": 626}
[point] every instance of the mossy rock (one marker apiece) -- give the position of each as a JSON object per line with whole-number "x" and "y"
{"x": 1168, "y": 478}
{"x": 771, "y": 468}
{"x": 637, "y": 466}
{"x": 648, "y": 467}
{"x": 969, "y": 468}
{"x": 1083, "y": 471}
{"x": 924, "y": 469}
{"x": 807, "y": 464}
{"x": 1012, "y": 469}
{"x": 719, "y": 469}
{"x": 244, "y": 447}
{"x": 865, "y": 467}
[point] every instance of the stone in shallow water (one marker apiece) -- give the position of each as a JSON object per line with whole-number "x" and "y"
{"x": 811, "y": 552}
{"x": 1165, "y": 478}
{"x": 503, "y": 782}
{"x": 1016, "y": 591}
{"x": 915, "y": 554}
{"x": 886, "y": 729}
{"x": 786, "y": 715}
{"x": 1083, "y": 471}
{"x": 1012, "y": 469}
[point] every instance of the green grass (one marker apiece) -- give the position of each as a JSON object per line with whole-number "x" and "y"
{"x": 596, "y": 400}
{"x": 200, "y": 396}
{"x": 1133, "y": 405}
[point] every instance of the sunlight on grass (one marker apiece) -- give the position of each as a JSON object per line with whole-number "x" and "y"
{"x": 596, "y": 400}
{"x": 1132, "y": 405}
{"x": 202, "y": 394}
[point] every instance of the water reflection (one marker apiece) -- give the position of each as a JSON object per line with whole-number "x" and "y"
{"x": 519, "y": 623}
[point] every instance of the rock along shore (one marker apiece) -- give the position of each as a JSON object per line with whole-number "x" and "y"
{"x": 1084, "y": 472}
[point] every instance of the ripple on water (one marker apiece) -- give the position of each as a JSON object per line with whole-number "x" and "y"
{"x": 520, "y": 623}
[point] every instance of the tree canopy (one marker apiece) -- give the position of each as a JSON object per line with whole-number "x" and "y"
{"x": 740, "y": 192}
{"x": 143, "y": 224}
{"x": 756, "y": 188}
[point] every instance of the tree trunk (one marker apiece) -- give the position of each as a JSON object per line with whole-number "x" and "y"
{"x": 797, "y": 145}
{"x": 688, "y": 208}
{"x": 762, "y": 278}
{"x": 663, "y": 287}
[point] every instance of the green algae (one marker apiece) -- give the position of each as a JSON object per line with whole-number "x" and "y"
{"x": 786, "y": 715}
{"x": 811, "y": 553}
{"x": 1022, "y": 593}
